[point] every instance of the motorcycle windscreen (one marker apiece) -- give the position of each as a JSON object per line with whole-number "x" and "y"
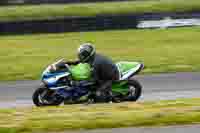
{"x": 81, "y": 71}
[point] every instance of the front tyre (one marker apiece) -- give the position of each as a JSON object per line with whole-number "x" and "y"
{"x": 41, "y": 97}
{"x": 135, "y": 90}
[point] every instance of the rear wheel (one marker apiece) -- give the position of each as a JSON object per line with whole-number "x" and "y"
{"x": 135, "y": 90}
{"x": 41, "y": 97}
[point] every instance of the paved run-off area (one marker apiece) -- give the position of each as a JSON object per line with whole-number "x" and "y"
{"x": 155, "y": 87}
{"x": 168, "y": 129}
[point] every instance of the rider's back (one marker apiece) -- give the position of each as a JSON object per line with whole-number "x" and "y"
{"x": 104, "y": 68}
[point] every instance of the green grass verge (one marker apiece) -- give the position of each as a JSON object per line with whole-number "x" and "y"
{"x": 17, "y": 13}
{"x": 170, "y": 50}
{"x": 182, "y": 111}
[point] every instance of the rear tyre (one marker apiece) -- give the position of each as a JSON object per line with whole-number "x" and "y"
{"x": 39, "y": 100}
{"x": 135, "y": 90}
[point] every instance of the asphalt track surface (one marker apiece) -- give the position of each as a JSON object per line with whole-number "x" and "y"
{"x": 155, "y": 87}
{"x": 169, "y": 129}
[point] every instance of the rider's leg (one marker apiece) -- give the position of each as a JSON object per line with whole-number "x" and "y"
{"x": 104, "y": 91}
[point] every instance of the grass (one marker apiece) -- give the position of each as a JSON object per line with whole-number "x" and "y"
{"x": 35, "y": 12}
{"x": 173, "y": 112}
{"x": 24, "y": 57}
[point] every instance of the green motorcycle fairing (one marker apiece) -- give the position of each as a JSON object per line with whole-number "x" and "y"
{"x": 125, "y": 67}
{"x": 83, "y": 71}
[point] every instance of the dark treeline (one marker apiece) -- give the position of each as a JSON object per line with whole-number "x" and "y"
{"x": 78, "y": 24}
{"x": 69, "y": 25}
{"x": 26, "y": 2}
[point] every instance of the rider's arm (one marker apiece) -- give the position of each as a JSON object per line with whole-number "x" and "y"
{"x": 72, "y": 62}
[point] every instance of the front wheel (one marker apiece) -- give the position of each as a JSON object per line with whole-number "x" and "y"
{"x": 135, "y": 90}
{"x": 41, "y": 97}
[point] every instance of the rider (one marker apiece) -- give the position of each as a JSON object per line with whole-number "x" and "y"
{"x": 104, "y": 71}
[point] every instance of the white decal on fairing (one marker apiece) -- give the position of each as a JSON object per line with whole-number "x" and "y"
{"x": 54, "y": 79}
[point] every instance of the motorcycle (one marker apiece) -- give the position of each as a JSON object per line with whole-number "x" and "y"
{"x": 62, "y": 83}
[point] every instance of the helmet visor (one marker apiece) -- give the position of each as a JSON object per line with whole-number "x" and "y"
{"x": 83, "y": 55}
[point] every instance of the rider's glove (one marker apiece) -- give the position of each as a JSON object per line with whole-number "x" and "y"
{"x": 52, "y": 68}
